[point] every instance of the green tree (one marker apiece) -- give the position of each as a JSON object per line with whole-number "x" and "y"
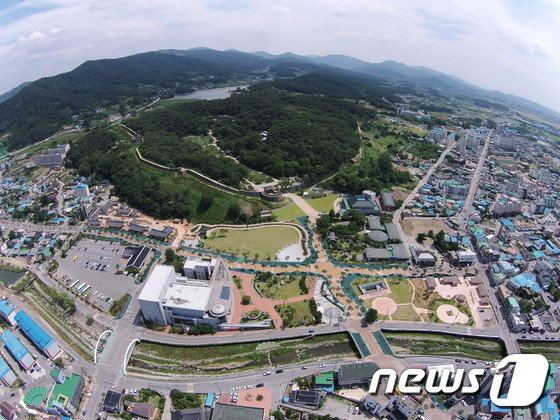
{"x": 245, "y": 300}
{"x": 371, "y": 315}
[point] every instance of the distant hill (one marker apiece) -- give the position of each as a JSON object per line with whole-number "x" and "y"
{"x": 33, "y": 111}
{"x": 13, "y": 92}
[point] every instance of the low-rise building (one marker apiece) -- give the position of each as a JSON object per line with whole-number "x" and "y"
{"x": 113, "y": 402}
{"x": 355, "y": 373}
{"x": 37, "y": 335}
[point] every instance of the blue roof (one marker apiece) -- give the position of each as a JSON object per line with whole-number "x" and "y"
{"x": 33, "y": 331}
{"x": 546, "y": 405}
{"x": 4, "y": 368}
{"x": 13, "y": 345}
{"x": 526, "y": 280}
{"x": 5, "y": 307}
{"x": 209, "y": 400}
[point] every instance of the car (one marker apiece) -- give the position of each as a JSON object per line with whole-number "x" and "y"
{"x": 267, "y": 373}
{"x": 304, "y": 368}
{"x": 350, "y": 409}
{"x": 322, "y": 365}
{"x": 311, "y": 331}
{"x": 260, "y": 385}
{"x": 280, "y": 371}
{"x": 523, "y": 336}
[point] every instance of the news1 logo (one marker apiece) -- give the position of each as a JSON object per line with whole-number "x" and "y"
{"x": 526, "y": 377}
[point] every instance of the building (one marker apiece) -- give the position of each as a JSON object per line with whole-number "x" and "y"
{"x": 136, "y": 255}
{"x": 190, "y": 414}
{"x": 115, "y": 224}
{"x": 52, "y": 157}
{"x": 36, "y": 398}
{"x": 112, "y": 403}
{"x": 8, "y": 411}
{"x": 505, "y": 142}
{"x": 524, "y": 281}
{"x": 168, "y": 298}
{"x": 356, "y": 373}
{"x": 66, "y": 394}
{"x": 161, "y": 234}
{"x": 137, "y": 227}
{"x": 464, "y": 256}
{"x": 7, "y": 377}
{"x": 310, "y": 399}
{"x": 7, "y": 312}
{"x": 236, "y": 412}
{"x": 37, "y": 335}
{"x": 505, "y": 206}
{"x": 81, "y": 190}
{"x": 144, "y": 410}
{"x": 362, "y": 203}
{"x": 324, "y": 381}
{"x": 391, "y": 253}
{"x": 393, "y": 232}
{"x": 17, "y": 350}
{"x": 437, "y": 134}
{"x": 387, "y": 202}
{"x": 199, "y": 268}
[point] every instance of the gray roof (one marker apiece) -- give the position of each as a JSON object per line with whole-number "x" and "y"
{"x": 236, "y": 412}
{"x": 387, "y": 199}
{"x": 376, "y": 254}
{"x": 393, "y": 232}
{"x": 374, "y": 223}
{"x": 357, "y": 372}
{"x": 190, "y": 414}
{"x": 378, "y": 236}
{"x": 398, "y": 251}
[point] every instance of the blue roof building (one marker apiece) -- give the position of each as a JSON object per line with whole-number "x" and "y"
{"x": 6, "y": 375}
{"x": 7, "y": 312}
{"x": 17, "y": 350}
{"x": 37, "y": 335}
{"x": 527, "y": 280}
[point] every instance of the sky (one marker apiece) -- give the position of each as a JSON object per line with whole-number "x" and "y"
{"x": 508, "y": 45}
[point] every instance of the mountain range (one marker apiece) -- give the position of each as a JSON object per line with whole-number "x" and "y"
{"x": 35, "y": 110}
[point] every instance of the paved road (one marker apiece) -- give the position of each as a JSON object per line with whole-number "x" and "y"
{"x": 467, "y": 208}
{"x": 397, "y": 214}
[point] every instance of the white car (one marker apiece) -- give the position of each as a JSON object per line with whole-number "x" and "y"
{"x": 322, "y": 365}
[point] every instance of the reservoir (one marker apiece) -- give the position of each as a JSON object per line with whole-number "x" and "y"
{"x": 217, "y": 93}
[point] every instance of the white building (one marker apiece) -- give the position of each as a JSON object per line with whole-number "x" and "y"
{"x": 199, "y": 267}
{"x": 465, "y": 256}
{"x": 168, "y": 298}
{"x": 506, "y": 206}
{"x": 505, "y": 142}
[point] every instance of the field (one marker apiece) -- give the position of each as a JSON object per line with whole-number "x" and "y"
{"x": 285, "y": 287}
{"x": 323, "y": 204}
{"x": 401, "y": 290}
{"x": 214, "y": 360}
{"x": 550, "y": 350}
{"x": 262, "y": 242}
{"x": 412, "y": 227}
{"x": 417, "y": 343}
{"x": 295, "y": 314}
{"x": 405, "y": 313}
{"x": 289, "y": 212}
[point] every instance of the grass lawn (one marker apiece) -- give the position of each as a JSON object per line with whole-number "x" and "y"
{"x": 401, "y": 289}
{"x": 323, "y": 204}
{"x": 409, "y": 343}
{"x": 289, "y": 212}
{"x": 288, "y": 289}
{"x": 405, "y": 313}
{"x": 295, "y": 314}
{"x": 263, "y": 241}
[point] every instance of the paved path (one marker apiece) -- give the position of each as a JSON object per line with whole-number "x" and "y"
{"x": 304, "y": 205}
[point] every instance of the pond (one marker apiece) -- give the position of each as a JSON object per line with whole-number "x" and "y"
{"x": 9, "y": 277}
{"x": 217, "y": 93}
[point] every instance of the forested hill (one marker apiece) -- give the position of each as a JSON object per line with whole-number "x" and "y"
{"x": 307, "y": 135}
{"x": 41, "y": 108}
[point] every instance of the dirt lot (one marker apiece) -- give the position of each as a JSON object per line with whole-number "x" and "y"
{"x": 413, "y": 226}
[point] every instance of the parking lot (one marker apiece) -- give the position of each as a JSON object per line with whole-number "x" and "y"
{"x": 91, "y": 270}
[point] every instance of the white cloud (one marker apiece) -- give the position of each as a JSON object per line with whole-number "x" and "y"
{"x": 486, "y": 42}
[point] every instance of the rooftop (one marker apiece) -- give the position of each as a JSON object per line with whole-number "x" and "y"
{"x": 192, "y": 295}
{"x": 156, "y": 282}
{"x": 14, "y": 345}
{"x": 33, "y": 331}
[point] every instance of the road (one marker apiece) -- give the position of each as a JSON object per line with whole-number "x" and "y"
{"x": 397, "y": 214}
{"x": 473, "y": 188}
